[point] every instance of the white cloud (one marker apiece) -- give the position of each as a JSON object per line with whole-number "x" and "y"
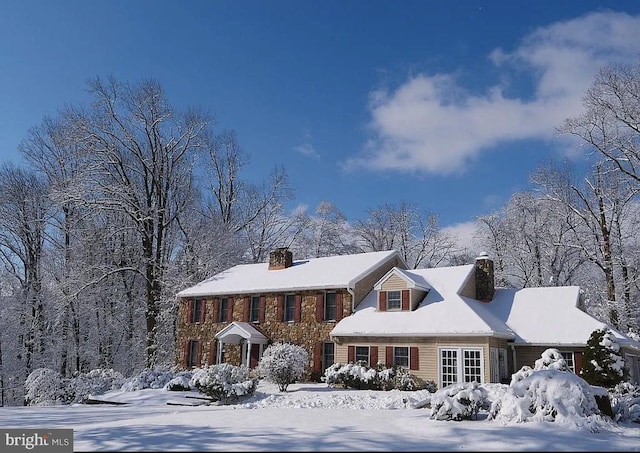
{"x": 307, "y": 149}
{"x": 464, "y": 235}
{"x": 432, "y": 124}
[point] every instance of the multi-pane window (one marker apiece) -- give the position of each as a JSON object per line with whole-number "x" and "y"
{"x": 328, "y": 355}
{"x": 289, "y": 307}
{"x": 472, "y": 365}
{"x": 394, "y": 300}
{"x": 254, "y": 309}
{"x": 460, "y": 365}
{"x": 329, "y": 306}
{"x": 192, "y": 354}
{"x": 569, "y": 359}
{"x": 224, "y": 307}
{"x": 362, "y": 354}
{"x": 197, "y": 311}
{"x": 401, "y": 356}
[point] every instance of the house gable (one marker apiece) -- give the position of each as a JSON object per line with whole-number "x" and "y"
{"x": 397, "y": 291}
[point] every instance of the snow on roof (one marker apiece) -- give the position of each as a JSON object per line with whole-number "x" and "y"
{"x": 443, "y": 311}
{"x": 318, "y": 273}
{"x": 547, "y": 315}
{"x": 544, "y": 316}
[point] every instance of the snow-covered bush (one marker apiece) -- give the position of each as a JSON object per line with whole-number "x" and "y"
{"x": 551, "y": 359}
{"x": 44, "y": 387}
{"x": 180, "y": 382}
{"x": 603, "y": 364}
{"x": 283, "y": 364}
{"x": 362, "y": 377}
{"x": 95, "y": 382}
{"x": 460, "y": 401}
{"x": 224, "y": 382}
{"x": 548, "y": 395}
{"x": 625, "y": 402}
{"x": 148, "y": 378}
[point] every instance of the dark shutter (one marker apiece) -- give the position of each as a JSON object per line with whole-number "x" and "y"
{"x": 280, "y": 308}
{"x": 263, "y": 307}
{"x": 199, "y": 353}
{"x": 230, "y": 302}
{"x": 297, "y": 311}
{"x": 186, "y": 353}
{"x": 319, "y": 307}
{"x": 339, "y": 307}
{"x": 382, "y": 306}
{"x": 405, "y": 300}
{"x": 389, "y": 355}
{"x": 317, "y": 357}
{"x": 577, "y": 357}
{"x": 203, "y": 310}
{"x": 215, "y": 309}
{"x": 413, "y": 358}
{"x": 373, "y": 356}
{"x": 189, "y": 311}
{"x": 213, "y": 352}
{"x": 245, "y": 309}
{"x": 351, "y": 354}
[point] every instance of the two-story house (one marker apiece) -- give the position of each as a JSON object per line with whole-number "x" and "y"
{"x": 232, "y": 316}
{"x": 447, "y": 324}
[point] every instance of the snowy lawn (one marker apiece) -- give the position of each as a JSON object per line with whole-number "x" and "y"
{"x": 308, "y": 417}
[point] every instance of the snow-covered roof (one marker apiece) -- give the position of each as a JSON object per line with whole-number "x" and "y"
{"x": 443, "y": 312}
{"x": 340, "y": 271}
{"x": 548, "y": 315}
{"x": 544, "y": 316}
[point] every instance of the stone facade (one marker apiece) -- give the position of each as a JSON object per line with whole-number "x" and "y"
{"x": 308, "y": 333}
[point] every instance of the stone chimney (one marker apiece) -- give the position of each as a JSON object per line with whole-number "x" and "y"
{"x": 280, "y": 258}
{"x": 485, "y": 283}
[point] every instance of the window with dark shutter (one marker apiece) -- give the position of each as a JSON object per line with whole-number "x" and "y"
{"x": 254, "y": 309}
{"x": 223, "y": 312}
{"x": 290, "y": 308}
{"x": 329, "y": 306}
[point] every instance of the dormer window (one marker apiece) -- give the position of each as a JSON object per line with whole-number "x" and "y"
{"x": 394, "y": 300}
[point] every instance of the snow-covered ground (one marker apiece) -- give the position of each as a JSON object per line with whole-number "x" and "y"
{"x": 308, "y": 417}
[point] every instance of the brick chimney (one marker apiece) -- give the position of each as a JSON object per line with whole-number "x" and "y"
{"x": 485, "y": 283}
{"x": 280, "y": 258}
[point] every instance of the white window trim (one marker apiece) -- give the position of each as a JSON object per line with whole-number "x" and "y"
{"x": 399, "y": 307}
{"x": 460, "y": 359}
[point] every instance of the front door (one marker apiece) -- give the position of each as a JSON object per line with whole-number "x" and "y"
{"x": 255, "y": 355}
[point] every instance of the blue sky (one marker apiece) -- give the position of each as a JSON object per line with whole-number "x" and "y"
{"x": 445, "y": 105}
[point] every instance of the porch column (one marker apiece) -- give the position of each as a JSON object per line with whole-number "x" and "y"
{"x": 248, "y": 357}
{"x": 219, "y": 351}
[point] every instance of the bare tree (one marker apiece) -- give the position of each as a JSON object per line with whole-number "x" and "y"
{"x": 24, "y": 210}
{"x": 598, "y": 206}
{"x": 143, "y": 154}
{"x": 414, "y": 233}
{"x": 611, "y": 122}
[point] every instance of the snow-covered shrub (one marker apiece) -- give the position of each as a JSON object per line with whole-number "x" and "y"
{"x": 603, "y": 364}
{"x": 460, "y": 401}
{"x": 283, "y": 364}
{"x": 224, "y": 382}
{"x": 148, "y": 378}
{"x": 180, "y": 382}
{"x": 95, "y": 382}
{"x": 362, "y": 377}
{"x": 625, "y": 402}
{"x": 551, "y": 359}
{"x": 548, "y": 395}
{"x": 44, "y": 387}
